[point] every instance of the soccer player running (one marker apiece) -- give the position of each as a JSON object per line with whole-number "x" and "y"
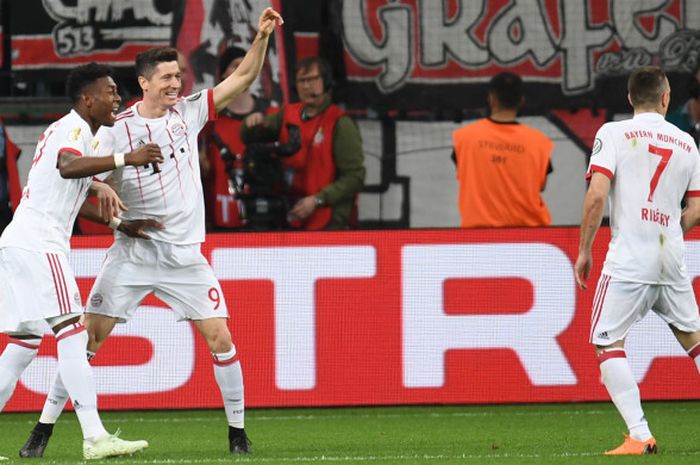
{"x": 646, "y": 166}
{"x": 170, "y": 265}
{"x": 37, "y": 282}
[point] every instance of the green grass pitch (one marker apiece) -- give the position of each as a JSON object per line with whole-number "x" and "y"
{"x": 510, "y": 434}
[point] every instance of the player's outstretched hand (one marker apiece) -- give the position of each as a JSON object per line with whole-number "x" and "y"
{"x": 108, "y": 202}
{"x": 268, "y": 20}
{"x": 582, "y": 269}
{"x": 135, "y": 228}
{"x": 144, "y": 155}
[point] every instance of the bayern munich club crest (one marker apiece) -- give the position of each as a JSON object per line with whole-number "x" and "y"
{"x": 176, "y": 128}
{"x": 96, "y": 299}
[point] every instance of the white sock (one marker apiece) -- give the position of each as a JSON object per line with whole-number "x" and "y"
{"x": 17, "y": 356}
{"x": 57, "y": 398}
{"x": 55, "y": 402}
{"x": 228, "y": 374}
{"x": 694, "y": 353}
{"x": 624, "y": 392}
{"x": 76, "y": 375}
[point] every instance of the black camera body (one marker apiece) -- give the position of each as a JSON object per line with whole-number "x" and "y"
{"x": 261, "y": 186}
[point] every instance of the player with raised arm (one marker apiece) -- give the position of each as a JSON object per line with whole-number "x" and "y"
{"x": 646, "y": 166}
{"x": 170, "y": 265}
{"x": 38, "y": 283}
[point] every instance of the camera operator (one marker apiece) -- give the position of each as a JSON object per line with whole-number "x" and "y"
{"x": 222, "y": 167}
{"x": 326, "y": 173}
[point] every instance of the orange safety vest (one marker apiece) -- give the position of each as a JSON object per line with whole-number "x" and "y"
{"x": 312, "y": 168}
{"x": 501, "y": 169}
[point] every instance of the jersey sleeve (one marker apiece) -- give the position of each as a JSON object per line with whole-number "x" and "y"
{"x": 72, "y": 139}
{"x": 199, "y": 108}
{"x": 603, "y": 158}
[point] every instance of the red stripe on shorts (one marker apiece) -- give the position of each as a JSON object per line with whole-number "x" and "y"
{"x": 62, "y": 282}
{"x": 598, "y": 303}
{"x": 56, "y": 284}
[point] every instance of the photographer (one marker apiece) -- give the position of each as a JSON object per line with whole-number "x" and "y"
{"x": 222, "y": 167}
{"x": 326, "y": 173}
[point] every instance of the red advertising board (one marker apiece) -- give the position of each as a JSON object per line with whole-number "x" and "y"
{"x": 378, "y": 318}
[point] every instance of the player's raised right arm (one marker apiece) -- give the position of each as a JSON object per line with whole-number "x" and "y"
{"x": 72, "y": 166}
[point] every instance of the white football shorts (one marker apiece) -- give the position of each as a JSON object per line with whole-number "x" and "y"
{"x": 35, "y": 286}
{"x": 179, "y": 275}
{"x": 617, "y": 305}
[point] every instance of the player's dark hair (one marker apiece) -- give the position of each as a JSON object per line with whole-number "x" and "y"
{"x": 147, "y": 61}
{"x": 508, "y": 90}
{"x": 83, "y": 76}
{"x": 646, "y": 85}
{"x": 229, "y": 55}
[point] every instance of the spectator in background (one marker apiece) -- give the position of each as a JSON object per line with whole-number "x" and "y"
{"x": 10, "y": 188}
{"x": 221, "y": 159}
{"x": 327, "y": 172}
{"x": 502, "y": 165}
{"x": 687, "y": 116}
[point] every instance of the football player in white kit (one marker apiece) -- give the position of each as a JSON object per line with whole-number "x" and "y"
{"x": 646, "y": 166}
{"x": 170, "y": 265}
{"x": 37, "y": 282}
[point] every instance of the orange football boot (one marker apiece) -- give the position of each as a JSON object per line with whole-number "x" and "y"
{"x": 634, "y": 447}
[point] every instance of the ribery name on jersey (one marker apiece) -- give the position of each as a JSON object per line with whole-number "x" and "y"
{"x": 655, "y": 216}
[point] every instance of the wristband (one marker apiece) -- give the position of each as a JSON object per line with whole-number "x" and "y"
{"x": 114, "y": 222}
{"x": 119, "y": 160}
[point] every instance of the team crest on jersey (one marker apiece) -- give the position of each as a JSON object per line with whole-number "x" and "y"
{"x": 597, "y": 146}
{"x": 96, "y": 299}
{"x": 76, "y": 298}
{"x": 95, "y": 145}
{"x": 176, "y": 128}
{"x": 318, "y": 138}
{"x": 74, "y": 135}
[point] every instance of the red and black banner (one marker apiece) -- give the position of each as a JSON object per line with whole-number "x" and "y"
{"x": 427, "y": 54}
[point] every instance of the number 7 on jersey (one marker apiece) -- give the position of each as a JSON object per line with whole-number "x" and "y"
{"x": 665, "y": 155}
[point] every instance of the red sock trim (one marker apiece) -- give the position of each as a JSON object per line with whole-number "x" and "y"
{"x": 608, "y": 354}
{"x": 78, "y": 328}
{"x": 224, "y": 363}
{"x": 695, "y": 351}
{"x": 26, "y": 345}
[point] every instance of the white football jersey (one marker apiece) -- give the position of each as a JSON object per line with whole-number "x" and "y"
{"x": 45, "y": 216}
{"x": 652, "y": 165}
{"x": 172, "y": 192}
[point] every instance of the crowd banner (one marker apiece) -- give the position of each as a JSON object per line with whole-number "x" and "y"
{"x": 420, "y": 54}
{"x": 58, "y": 34}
